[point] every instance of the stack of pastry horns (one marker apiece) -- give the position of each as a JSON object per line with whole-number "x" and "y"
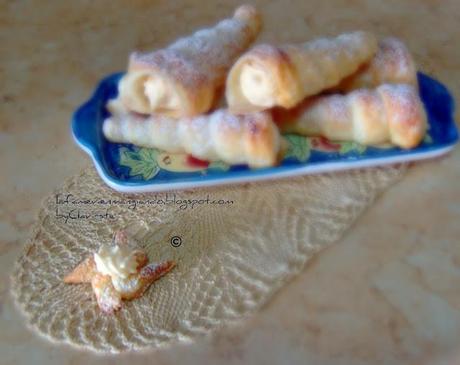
{"x": 351, "y": 88}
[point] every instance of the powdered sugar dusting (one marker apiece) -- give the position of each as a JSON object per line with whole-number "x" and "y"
{"x": 404, "y": 101}
{"x": 306, "y": 69}
{"x": 213, "y": 136}
{"x": 155, "y": 271}
{"x": 333, "y": 59}
{"x": 338, "y": 108}
{"x": 394, "y": 62}
{"x": 206, "y": 55}
{"x": 391, "y": 113}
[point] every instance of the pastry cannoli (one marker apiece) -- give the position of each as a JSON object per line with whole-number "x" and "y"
{"x": 389, "y": 114}
{"x": 268, "y": 76}
{"x": 184, "y": 79}
{"x": 251, "y": 139}
{"x": 85, "y": 270}
{"x": 392, "y": 64}
{"x": 117, "y": 272}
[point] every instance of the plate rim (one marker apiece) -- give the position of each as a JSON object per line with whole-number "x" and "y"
{"x": 307, "y": 169}
{"x": 124, "y": 187}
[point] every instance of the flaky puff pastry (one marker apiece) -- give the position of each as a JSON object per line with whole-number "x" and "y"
{"x": 392, "y": 64}
{"x": 184, "y": 78}
{"x": 268, "y": 76}
{"x": 111, "y": 290}
{"x": 251, "y": 139}
{"x": 389, "y": 114}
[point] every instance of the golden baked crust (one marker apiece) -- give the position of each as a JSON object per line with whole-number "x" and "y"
{"x": 250, "y": 138}
{"x": 391, "y": 113}
{"x": 392, "y": 64}
{"x": 297, "y": 71}
{"x": 192, "y": 69}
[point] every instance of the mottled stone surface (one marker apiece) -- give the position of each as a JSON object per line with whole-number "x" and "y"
{"x": 387, "y": 294}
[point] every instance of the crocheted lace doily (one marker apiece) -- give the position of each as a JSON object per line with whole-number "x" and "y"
{"x": 238, "y": 245}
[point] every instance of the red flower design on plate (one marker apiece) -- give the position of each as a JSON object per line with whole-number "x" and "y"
{"x": 323, "y": 144}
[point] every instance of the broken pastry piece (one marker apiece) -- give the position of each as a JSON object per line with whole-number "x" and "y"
{"x": 268, "y": 76}
{"x": 388, "y": 114}
{"x": 184, "y": 78}
{"x": 251, "y": 139}
{"x": 392, "y": 64}
{"x": 117, "y": 272}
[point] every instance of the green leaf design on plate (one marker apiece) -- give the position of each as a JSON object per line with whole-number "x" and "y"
{"x": 428, "y": 139}
{"x": 141, "y": 161}
{"x": 298, "y": 147}
{"x": 218, "y": 165}
{"x": 346, "y": 147}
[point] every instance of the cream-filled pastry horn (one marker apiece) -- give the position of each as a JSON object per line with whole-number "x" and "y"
{"x": 389, "y": 114}
{"x": 184, "y": 78}
{"x": 118, "y": 271}
{"x": 268, "y": 76}
{"x": 392, "y": 64}
{"x": 251, "y": 139}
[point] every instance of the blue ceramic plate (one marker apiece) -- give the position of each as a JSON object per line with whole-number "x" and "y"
{"x": 128, "y": 168}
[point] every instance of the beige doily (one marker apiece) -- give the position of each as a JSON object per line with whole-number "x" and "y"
{"x": 238, "y": 245}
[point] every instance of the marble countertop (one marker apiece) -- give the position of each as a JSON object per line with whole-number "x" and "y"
{"x": 388, "y": 293}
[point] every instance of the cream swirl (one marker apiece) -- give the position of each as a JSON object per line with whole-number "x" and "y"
{"x": 257, "y": 86}
{"x": 160, "y": 94}
{"x": 116, "y": 261}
